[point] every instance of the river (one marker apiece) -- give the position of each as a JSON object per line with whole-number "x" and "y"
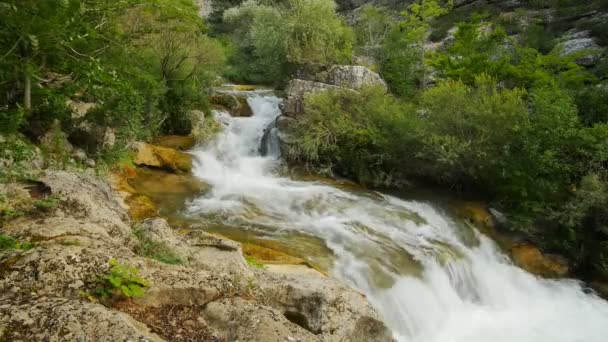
{"x": 431, "y": 277}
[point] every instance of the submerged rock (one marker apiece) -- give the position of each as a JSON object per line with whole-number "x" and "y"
{"x": 161, "y": 157}
{"x": 177, "y": 142}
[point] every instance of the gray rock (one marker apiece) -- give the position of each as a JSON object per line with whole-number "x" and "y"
{"x": 79, "y": 109}
{"x": 295, "y": 92}
{"x": 353, "y": 77}
{"x": 580, "y": 42}
{"x": 59, "y": 319}
{"x": 79, "y": 154}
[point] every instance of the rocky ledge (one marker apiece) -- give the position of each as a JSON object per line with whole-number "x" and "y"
{"x": 213, "y": 295}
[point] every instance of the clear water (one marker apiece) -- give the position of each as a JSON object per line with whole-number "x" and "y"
{"x": 431, "y": 278}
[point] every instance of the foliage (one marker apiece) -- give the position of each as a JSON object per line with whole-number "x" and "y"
{"x": 143, "y": 64}
{"x": 156, "y": 250}
{"x": 8, "y": 242}
{"x": 120, "y": 281}
{"x": 277, "y": 37}
{"x": 403, "y": 58}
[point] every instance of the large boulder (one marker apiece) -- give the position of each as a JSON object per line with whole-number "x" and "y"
{"x": 295, "y": 92}
{"x": 353, "y": 77}
{"x": 161, "y": 157}
{"x": 580, "y": 42}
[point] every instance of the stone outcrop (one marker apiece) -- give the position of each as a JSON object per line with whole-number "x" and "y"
{"x": 92, "y": 137}
{"x": 214, "y": 294}
{"x": 295, "y": 92}
{"x": 349, "y": 77}
{"x": 580, "y": 42}
{"x": 161, "y": 157}
{"x": 234, "y": 104}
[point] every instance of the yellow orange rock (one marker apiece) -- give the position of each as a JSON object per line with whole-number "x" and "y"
{"x": 534, "y": 261}
{"x": 162, "y": 157}
{"x": 178, "y": 142}
{"x": 141, "y": 207}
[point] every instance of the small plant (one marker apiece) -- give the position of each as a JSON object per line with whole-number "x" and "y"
{"x": 46, "y": 204}
{"x": 8, "y": 242}
{"x": 253, "y": 262}
{"x": 156, "y": 250}
{"x": 120, "y": 281}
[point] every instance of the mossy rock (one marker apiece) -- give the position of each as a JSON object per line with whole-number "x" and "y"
{"x": 178, "y": 142}
{"x": 141, "y": 207}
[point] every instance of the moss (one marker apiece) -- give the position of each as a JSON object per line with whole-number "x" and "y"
{"x": 141, "y": 207}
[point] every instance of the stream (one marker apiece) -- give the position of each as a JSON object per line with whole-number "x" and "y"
{"x": 430, "y": 276}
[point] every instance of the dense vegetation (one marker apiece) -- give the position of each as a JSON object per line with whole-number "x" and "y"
{"x": 144, "y": 65}
{"x": 488, "y": 112}
{"x": 495, "y": 109}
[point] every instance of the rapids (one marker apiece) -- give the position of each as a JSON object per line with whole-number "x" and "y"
{"x": 432, "y": 278}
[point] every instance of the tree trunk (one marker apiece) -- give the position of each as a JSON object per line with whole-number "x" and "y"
{"x": 27, "y": 91}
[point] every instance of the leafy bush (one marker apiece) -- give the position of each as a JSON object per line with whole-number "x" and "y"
{"x": 274, "y": 38}
{"x": 120, "y": 281}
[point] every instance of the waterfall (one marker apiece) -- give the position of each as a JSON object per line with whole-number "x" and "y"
{"x": 432, "y": 278}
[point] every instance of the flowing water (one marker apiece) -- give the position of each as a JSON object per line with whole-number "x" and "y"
{"x": 432, "y": 278}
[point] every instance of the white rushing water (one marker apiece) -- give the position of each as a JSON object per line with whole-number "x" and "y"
{"x": 432, "y": 278}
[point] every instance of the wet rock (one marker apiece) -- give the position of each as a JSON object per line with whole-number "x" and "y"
{"x": 141, "y": 207}
{"x": 534, "y": 261}
{"x": 59, "y": 319}
{"x": 168, "y": 191}
{"x": 161, "y": 157}
{"x": 237, "y": 106}
{"x": 177, "y": 142}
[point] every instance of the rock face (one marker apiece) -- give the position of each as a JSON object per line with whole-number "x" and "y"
{"x": 295, "y": 92}
{"x": 161, "y": 157}
{"x": 92, "y": 137}
{"x": 41, "y": 288}
{"x": 580, "y": 42}
{"x": 236, "y": 105}
{"x": 351, "y": 77}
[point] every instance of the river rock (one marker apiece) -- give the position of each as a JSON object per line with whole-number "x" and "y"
{"x": 41, "y": 288}
{"x": 234, "y": 104}
{"x": 177, "y": 142}
{"x": 161, "y": 157}
{"x": 534, "y": 261}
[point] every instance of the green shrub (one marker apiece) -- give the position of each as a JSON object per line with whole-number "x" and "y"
{"x": 120, "y": 281}
{"x": 8, "y": 242}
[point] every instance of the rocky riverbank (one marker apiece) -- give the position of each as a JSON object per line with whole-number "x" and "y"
{"x": 210, "y": 294}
